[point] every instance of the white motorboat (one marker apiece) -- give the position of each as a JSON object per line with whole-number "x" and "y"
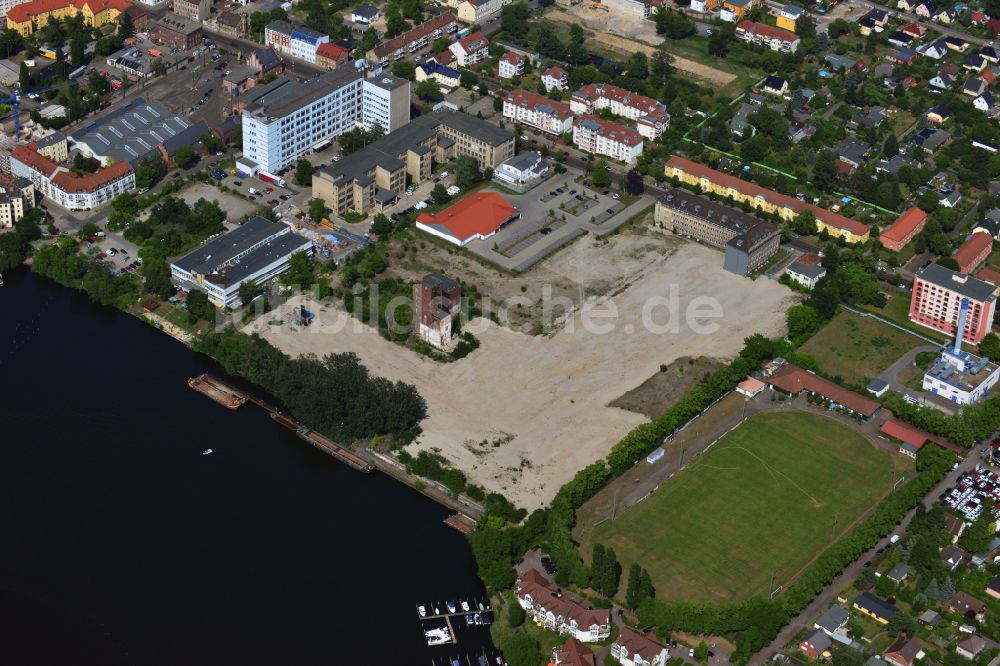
{"x": 465, "y": 606}
{"x": 437, "y": 636}
{"x": 422, "y": 611}
{"x": 207, "y": 452}
{"x": 451, "y": 606}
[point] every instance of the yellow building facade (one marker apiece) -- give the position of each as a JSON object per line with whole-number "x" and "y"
{"x": 31, "y": 16}
{"x": 774, "y": 203}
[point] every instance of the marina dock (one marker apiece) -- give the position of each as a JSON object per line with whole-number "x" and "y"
{"x": 218, "y": 391}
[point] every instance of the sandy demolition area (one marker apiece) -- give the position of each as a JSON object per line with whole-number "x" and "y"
{"x": 522, "y": 413}
{"x": 627, "y": 34}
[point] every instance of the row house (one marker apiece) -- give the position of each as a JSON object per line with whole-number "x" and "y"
{"x": 528, "y": 108}
{"x": 603, "y": 137}
{"x": 637, "y": 648}
{"x": 561, "y": 612}
{"x": 651, "y": 117}
{"x": 412, "y": 40}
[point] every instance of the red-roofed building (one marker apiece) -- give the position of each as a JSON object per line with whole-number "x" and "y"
{"x": 638, "y": 648}
{"x": 792, "y": 380}
{"x": 528, "y": 108}
{"x": 978, "y": 18}
{"x": 66, "y": 188}
{"x": 603, "y": 137}
{"x": 650, "y": 116}
{"x": 809, "y": 259}
{"x": 914, "y": 30}
{"x": 28, "y": 17}
{"x": 572, "y": 653}
{"x": 556, "y": 610}
{"x": 476, "y": 217}
{"x": 786, "y": 207}
{"x": 555, "y": 78}
{"x": 331, "y": 56}
{"x": 470, "y": 50}
{"x": 973, "y": 252}
{"x": 988, "y": 76}
{"x": 511, "y": 65}
{"x": 903, "y": 230}
{"x": 774, "y": 38}
{"x": 911, "y": 439}
{"x": 989, "y": 275}
{"x": 993, "y": 27}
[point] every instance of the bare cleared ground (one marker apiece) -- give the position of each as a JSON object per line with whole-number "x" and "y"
{"x": 627, "y": 34}
{"x": 658, "y": 393}
{"x": 585, "y": 269}
{"x": 544, "y": 399}
{"x": 236, "y": 208}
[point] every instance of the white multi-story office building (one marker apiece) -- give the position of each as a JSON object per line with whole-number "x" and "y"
{"x": 283, "y": 120}
{"x": 385, "y": 100}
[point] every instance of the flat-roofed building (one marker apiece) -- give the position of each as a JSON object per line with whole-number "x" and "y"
{"x": 257, "y": 250}
{"x": 641, "y": 8}
{"x": 385, "y": 101}
{"x": 748, "y": 241}
{"x": 528, "y": 108}
{"x": 376, "y": 176}
{"x": 130, "y": 134}
{"x": 196, "y": 10}
{"x": 937, "y": 298}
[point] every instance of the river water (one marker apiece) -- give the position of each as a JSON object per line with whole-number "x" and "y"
{"x": 122, "y": 544}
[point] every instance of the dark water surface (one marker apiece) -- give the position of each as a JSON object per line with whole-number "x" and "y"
{"x": 122, "y": 544}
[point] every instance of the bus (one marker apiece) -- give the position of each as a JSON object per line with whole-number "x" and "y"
{"x": 46, "y": 52}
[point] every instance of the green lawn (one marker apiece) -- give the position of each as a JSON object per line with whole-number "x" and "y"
{"x": 764, "y": 500}
{"x": 858, "y": 348}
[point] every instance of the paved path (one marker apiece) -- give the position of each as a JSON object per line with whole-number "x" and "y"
{"x": 829, "y": 594}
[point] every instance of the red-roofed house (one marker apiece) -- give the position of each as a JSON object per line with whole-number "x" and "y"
{"x": 774, "y": 38}
{"x": 603, "y": 137}
{"x": 524, "y": 106}
{"x": 792, "y": 380}
{"x": 558, "y": 611}
{"x": 914, "y": 30}
{"x": 786, "y": 207}
{"x": 973, "y": 252}
{"x": 750, "y": 387}
{"x": 903, "y": 230}
{"x": 511, "y": 65}
{"x": 477, "y": 216}
{"x": 989, "y": 275}
{"x": 555, "y": 78}
{"x": 64, "y": 187}
{"x": 572, "y": 653}
{"x": 637, "y": 648}
{"x": 651, "y": 117}
{"x": 471, "y": 50}
{"x": 331, "y": 56}
{"x": 911, "y": 439}
{"x": 978, "y": 18}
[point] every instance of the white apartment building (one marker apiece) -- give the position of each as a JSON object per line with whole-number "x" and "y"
{"x": 528, "y": 108}
{"x": 634, "y": 7}
{"x": 471, "y": 50}
{"x": 555, "y": 78}
{"x": 511, "y": 65}
{"x": 283, "y": 120}
{"x": 603, "y": 137}
{"x": 651, "y": 117}
{"x": 297, "y": 41}
{"x": 67, "y": 189}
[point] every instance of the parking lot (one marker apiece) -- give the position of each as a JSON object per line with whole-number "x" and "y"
{"x": 976, "y": 491}
{"x": 553, "y": 214}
